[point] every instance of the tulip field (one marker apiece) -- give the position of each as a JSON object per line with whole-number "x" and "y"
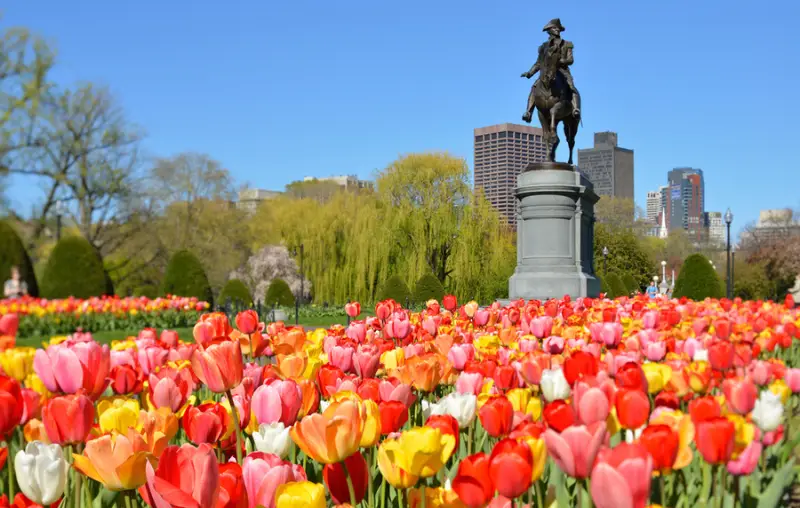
{"x": 624, "y": 403}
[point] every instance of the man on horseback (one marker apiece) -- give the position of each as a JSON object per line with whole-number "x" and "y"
{"x": 555, "y": 45}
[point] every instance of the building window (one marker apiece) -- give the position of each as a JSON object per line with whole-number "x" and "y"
{"x": 494, "y": 135}
{"x": 524, "y": 136}
{"x": 478, "y": 138}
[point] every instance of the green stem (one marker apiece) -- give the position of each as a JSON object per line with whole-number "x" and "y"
{"x": 722, "y": 485}
{"x": 735, "y": 490}
{"x": 235, "y": 416}
{"x": 662, "y": 488}
{"x": 371, "y": 487}
{"x": 128, "y": 500}
{"x": 11, "y": 477}
{"x": 422, "y": 495}
{"x": 469, "y": 438}
{"x": 539, "y": 498}
{"x": 77, "y": 480}
{"x": 350, "y": 488}
{"x": 579, "y": 484}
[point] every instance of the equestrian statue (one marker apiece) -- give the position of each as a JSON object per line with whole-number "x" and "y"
{"x": 553, "y": 94}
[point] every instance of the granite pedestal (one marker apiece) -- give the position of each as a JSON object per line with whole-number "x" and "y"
{"x": 555, "y": 234}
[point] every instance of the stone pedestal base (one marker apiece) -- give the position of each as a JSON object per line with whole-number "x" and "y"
{"x": 555, "y": 234}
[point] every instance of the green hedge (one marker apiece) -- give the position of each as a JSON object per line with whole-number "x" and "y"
{"x": 237, "y": 292}
{"x": 13, "y": 253}
{"x": 616, "y": 288}
{"x": 394, "y": 289}
{"x": 698, "y": 280}
{"x": 279, "y": 293}
{"x": 630, "y": 283}
{"x": 428, "y": 287}
{"x": 74, "y": 268}
{"x": 185, "y": 276}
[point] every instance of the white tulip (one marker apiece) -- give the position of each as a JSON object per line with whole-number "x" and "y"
{"x": 323, "y": 405}
{"x": 700, "y": 355}
{"x": 461, "y": 406}
{"x": 273, "y": 438}
{"x": 41, "y": 472}
{"x": 768, "y": 412}
{"x": 554, "y": 385}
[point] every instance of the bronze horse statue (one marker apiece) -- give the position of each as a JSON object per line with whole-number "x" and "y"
{"x": 552, "y": 97}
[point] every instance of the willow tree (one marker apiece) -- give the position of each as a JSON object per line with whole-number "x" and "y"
{"x": 426, "y": 194}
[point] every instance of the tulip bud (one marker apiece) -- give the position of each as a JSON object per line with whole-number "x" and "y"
{"x": 41, "y": 472}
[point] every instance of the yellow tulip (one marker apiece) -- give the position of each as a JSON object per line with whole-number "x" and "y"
{"x": 612, "y": 422}
{"x": 393, "y": 358}
{"x": 422, "y": 451}
{"x": 371, "y": 417}
{"x": 300, "y": 495}
{"x": 658, "y": 375}
{"x": 522, "y": 401}
{"x": 392, "y": 473}
{"x": 35, "y": 383}
{"x": 487, "y": 344}
{"x": 17, "y": 362}
{"x": 745, "y": 433}
{"x": 118, "y": 413}
{"x": 780, "y": 388}
{"x": 435, "y": 498}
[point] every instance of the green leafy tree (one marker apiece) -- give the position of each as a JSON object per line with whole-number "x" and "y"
{"x": 698, "y": 280}
{"x": 750, "y": 281}
{"x": 74, "y": 268}
{"x": 185, "y": 276}
{"x": 630, "y": 283}
{"x": 625, "y": 254}
{"x": 395, "y": 289}
{"x": 427, "y": 288}
{"x": 237, "y": 292}
{"x": 616, "y": 287}
{"x": 13, "y": 253}
{"x": 279, "y": 293}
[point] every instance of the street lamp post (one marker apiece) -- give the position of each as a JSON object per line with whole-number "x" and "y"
{"x": 605, "y": 255}
{"x": 728, "y": 269}
{"x": 663, "y": 270}
{"x": 59, "y": 213}
{"x": 302, "y": 286}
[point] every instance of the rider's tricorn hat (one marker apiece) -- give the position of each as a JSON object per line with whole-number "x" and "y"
{"x": 554, "y": 23}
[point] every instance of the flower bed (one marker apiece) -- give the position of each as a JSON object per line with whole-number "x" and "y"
{"x": 615, "y": 404}
{"x": 40, "y": 317}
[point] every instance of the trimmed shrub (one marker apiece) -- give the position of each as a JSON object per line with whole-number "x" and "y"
{"x": 13, "y": 253}
{"x": 603, "y": 285}
{"x": 279, "y": 293}
{"x": 615, "y": 286}
{"x": 630, "y": 283}
{"x": 185, "y": 276}
{"x": 427, "y": 288}
{"x": 74, "y": 268}
{"x": 237, "y": 292}
{"x": 698, "y": 280}
{"x": 394, "y": 288}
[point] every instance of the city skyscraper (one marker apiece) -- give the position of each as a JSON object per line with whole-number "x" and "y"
{"x": 609, "y": 167}
{"x": 686, "y": 202}
{"x": 501, "y": 153}
{"x": 655, "y": 204}
{"x": 716, "y": 228}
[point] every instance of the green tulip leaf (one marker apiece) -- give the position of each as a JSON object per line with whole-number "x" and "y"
{"x": 771, "y": 497}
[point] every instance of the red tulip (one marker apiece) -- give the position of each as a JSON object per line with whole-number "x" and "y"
{"x": 472, "y": 482}
{"x": 32, "y": 405}
{"x": 579, "y": 364}
{"x": 720, "y": 355}
{"x": 335, "y": 478}
{"x": 559, "y": 415}
{"x": 247, "y": 321}
{"x": 505, "y": 377}
{"x": 662, "y": 442}
{"x": 715, "y": 439}
{"x": 447, "y": 424}
{"x": 232, "y": 493}
{"x": 125, "y": 380}
{"x": 3, "y": 457}
{"x": 394, "y": 415}
{"x": 621, "y": 477}
{"x": 511, "y": 467}
{"x": 740, "y": 395}
{"x": 206, "y": 423}
{"x": 219, "y": 326}
{"x": 633, "y": 408}
{"x": 668, "y": 399}
{"x": 353, "y": 309}
{"x": 12, "y": 403}
{"x": 704, "y": 408}
{"x": 219, "y": 366}
{"x": 631, "y": 376}
{"x": 186, "y": 476}
{"x": 327, "y": 377}
{"x": 68, "y": 419}
{"x": 496, "y": 416}
{"x": 450, "y": 303}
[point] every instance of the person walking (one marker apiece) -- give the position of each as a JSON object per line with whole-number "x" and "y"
{"x": 15, "y": 287}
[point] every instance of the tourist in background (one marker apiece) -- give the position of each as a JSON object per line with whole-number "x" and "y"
{"x": 15, "y": 287}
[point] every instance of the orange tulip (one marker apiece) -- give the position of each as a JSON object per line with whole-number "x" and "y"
{"x": 332, "y": 436}
{"x": 292, "y": 366}
{"x": 424, "y": 372}
{"x": 158, "y": 428}
{"x": 117, "y": 461}
{"x": 219, "y": 366}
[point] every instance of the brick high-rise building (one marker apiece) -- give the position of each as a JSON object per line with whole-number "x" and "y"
{"x": 501, "y": 153}
{"x": 686, "y": 202}
{"x": 609, "y": 167}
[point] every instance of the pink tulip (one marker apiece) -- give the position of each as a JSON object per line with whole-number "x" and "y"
{"x": 400, "y": 392}
{"x": 471, "y": 308}
{"x": 542, "y": 326}
{"x": 366, "y": 360}
{"x": 528, "y": 345}
{"x": 255, "y": 372}
{"x": 460, "y": 354}
{"x": 342, "y": 357}
{"x": 575, "y": 449}
{"x": 398, "y": 326}
{"x": 356, "y": 332}
{"x": 740, "y": 395}
{"x": 700, "y": 325}
{"x": 263, "y": 473}
{"x": 592, "y": 400}
{"x": 609, "y": 334}
{"x": 278, "y": 401}
{"x": 621, "y": 477}
{"x": 431, "y": 324}
{"x": 413, "y": 350}
{"x": 553, "y": 344}
{"x": 186, "y": 476}
{"x": 151, "y": 358}
{"x": 792, "y": 378}
{"x": 168, "y": 392}
{"x": 203, "y": 333}
{"x": 650, "y": 320}
{"x": 183, "y": 352}
{"x": 169, "y": 338}
{"x": 123, "y": 357}
{"x": 760, "y": 372}
{"x": 481, "y": 317}
{"x": 747, "y": 461}
{"x": 345, "y": 385}
{"x": 655, "y": 351}
{"x": 469, "y": 382}
{"x": 74, "y": 365}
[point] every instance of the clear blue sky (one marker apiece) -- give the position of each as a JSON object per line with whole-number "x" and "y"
{"x": 278, "y": 90}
